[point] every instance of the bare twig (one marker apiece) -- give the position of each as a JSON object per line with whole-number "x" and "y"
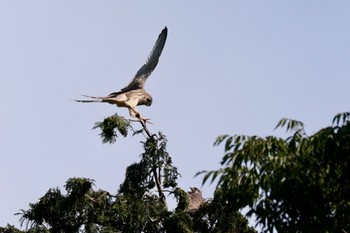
{"x": 145, "y": 128}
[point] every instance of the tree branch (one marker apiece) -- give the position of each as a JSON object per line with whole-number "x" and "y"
{"x": 156, "y": 176}
{"x": 145, "y": 128}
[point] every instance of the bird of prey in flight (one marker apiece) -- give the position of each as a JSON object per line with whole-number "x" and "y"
{"x": 134, "y": 93}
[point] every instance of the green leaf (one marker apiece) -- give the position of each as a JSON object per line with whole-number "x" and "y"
{"x": 341, "y": 117}
{"x": 220, "y": 139}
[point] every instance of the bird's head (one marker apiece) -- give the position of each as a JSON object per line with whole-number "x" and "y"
{"x": 195, "y": 190}
{"x": 149, "y": 101}
{"x": 146, "y": 100}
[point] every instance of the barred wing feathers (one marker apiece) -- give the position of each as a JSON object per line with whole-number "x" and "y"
{"x": 142, "y": 74}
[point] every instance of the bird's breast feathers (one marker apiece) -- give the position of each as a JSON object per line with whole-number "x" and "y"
{"x": 127, "y": 99}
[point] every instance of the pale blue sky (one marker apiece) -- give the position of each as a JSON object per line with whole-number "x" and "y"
{"x": 233, "y": 67}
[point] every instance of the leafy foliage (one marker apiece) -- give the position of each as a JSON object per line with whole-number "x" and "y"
{"x": 84, "y": 209}
{"x": 182, "y": 198}
{"x": 135, "y": 208}
{"x": 80, "y": 207}
{"x": 110, "y": 127}
{"x": 219, "y": 215}
{"x": 139, "y": 205}
{"x": 298, "y": 184}
{"x": 9, "y": 229}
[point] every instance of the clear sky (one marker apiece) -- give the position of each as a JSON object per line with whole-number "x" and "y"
{"x": 234, "y": 67}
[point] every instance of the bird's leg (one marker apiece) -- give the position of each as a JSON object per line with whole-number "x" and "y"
{"x": 138, "y": 116}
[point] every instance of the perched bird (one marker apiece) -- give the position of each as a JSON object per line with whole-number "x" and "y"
{"x": 195, "y": 199}
{"x": 134, "y": 93}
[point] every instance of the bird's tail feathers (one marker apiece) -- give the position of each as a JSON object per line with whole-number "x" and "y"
{"x": 95, "y": 99}
{"x": 88, "y": 101}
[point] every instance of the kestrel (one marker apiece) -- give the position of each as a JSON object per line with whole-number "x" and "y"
{"x": 134, "y": 93}
{"x": 195, "y": 199}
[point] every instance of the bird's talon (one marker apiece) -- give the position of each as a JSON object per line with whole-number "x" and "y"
{"x": 146, "y": 120}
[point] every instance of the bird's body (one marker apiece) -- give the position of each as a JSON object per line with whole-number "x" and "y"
{"x": 195, "y": 198}
{"x": 129, "y": 99}
{"x": 134, "y": 93}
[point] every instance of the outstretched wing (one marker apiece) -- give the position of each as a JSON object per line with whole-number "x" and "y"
{"x": 142, "y": 74}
